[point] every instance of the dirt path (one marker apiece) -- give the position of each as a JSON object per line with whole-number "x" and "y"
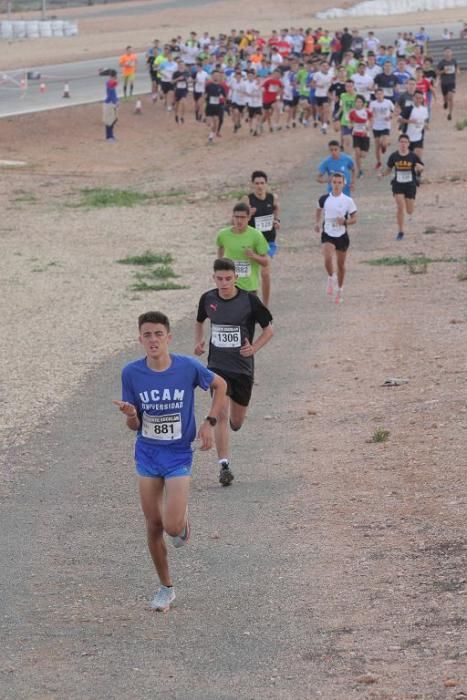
{"x": 333, "y": 567}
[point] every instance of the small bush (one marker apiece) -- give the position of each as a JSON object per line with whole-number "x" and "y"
{"x": 380, "y": 435}
{"x": 147, "y": 258}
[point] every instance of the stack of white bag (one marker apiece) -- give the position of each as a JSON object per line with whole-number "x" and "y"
{"x": 19, "y": 29}
{"x": 390, "y": 7}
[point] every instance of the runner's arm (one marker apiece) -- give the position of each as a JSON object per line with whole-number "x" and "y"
{"x": 260, "y": 259}
{"x": 323, "y": 178}
{"x": 128, "y": 410}
{"x": 277, "y": 212}
{"x": 220, "y": 251}
{"x": 248, "y": 349}
{"x": 318, "y": 219}
{"x": 352, "y": 219}
{"x": 206, "y": 431}
{"x": 199, "y": 338}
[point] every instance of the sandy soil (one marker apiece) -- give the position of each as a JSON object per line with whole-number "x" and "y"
{"x": 101, "y": 36}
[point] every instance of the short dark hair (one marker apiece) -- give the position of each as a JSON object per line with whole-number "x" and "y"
{"x": 258, "y": 173}
{"x": 333, "y": 143}
{"x": 341, "y": 175}
{"x": 404, "y": 136}
{"x": 224, "y": 264}
{"x": 242, "y": 206}
{"x": 154, "y": 317}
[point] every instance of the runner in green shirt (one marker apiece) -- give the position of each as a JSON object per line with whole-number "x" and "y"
{"x": 346, "y": 104}
{"x": 246, "y": 246}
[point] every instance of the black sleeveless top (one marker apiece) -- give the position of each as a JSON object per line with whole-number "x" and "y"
{"x": 263, "y": 218}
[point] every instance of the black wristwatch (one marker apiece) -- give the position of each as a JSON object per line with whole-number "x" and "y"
{"x": 211, "y": 420}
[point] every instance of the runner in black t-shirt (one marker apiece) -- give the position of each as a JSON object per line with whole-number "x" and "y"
{"x": 387, "y": 81}
{"x": 264, "y": 216}
{"x": 406, "y": 166}
{"x": 233, "y": 314}
{"x": 447, "y": 71}
{"x": 180, "y": 80}
{"x": 215, "y": 95}
{"x": 336, "y": 90}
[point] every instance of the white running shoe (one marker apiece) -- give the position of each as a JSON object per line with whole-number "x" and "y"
{"x": 331, "y": 285}
{"x": 339, "y": 296}
{"x": 163, "y": 598}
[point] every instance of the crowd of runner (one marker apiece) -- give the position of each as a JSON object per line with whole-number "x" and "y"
{"x": 293, "y": 77}
{"x": 342, "y": 82}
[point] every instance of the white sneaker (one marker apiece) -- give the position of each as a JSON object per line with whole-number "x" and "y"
{"x": 339, "y": 296}
{"x": 330, "y": 287}
{"x": 163, "y": 598}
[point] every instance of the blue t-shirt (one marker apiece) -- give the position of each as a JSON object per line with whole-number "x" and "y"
{"x": 344, "y": 164}
{"x": 165, "y": 402}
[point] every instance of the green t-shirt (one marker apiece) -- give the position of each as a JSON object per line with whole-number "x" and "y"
{"x": 234, "y": 244}
{"x": 347, "y": 103}
{"x": 301, "y": 77}
{"x": 351, "y": 69}
{"x": 158, "y": 60}
{"x": 325, "y": 43}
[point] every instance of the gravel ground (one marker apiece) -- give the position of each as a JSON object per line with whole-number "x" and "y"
{"x": 315, "y": 575}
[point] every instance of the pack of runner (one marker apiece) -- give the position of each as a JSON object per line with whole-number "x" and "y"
{"x": 360, "y": 91}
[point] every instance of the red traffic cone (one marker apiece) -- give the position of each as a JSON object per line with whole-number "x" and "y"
{"x": 42, "y": 87}
{"x": 138, "y": 107}
{"x": 66, "y": 91}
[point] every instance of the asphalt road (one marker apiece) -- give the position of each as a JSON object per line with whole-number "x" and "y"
{"x": 83, "y": 78}
{"x": 87, "y": 87}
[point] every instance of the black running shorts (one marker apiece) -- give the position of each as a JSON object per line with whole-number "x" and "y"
{"x": 239, "y": 386}
{"x": 340, "y": 243}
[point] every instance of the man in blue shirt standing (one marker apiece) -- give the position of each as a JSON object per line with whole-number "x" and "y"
{"x": 337, "y": 162}
{"x": 158, "y": 403}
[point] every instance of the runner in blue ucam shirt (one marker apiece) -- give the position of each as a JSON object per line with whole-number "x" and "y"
{"x": 158, "y": 402}
{"x": 337, "y": 162}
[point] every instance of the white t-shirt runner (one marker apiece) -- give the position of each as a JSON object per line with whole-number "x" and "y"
{"x": 254, "y": 93}
{"x": 200, "y": 80}
{"x": 323, "y": 83}
{"x": 237, "y": 91}
{"x": 336, "y": 207}
{"x": 415, "y": 131}
{"x": 382, "y": 112}
{"x": 363, "y": 85}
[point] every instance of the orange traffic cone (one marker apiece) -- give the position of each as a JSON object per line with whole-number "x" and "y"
{"x": 66, "y": 91}
{"x": 138, "y": 107}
